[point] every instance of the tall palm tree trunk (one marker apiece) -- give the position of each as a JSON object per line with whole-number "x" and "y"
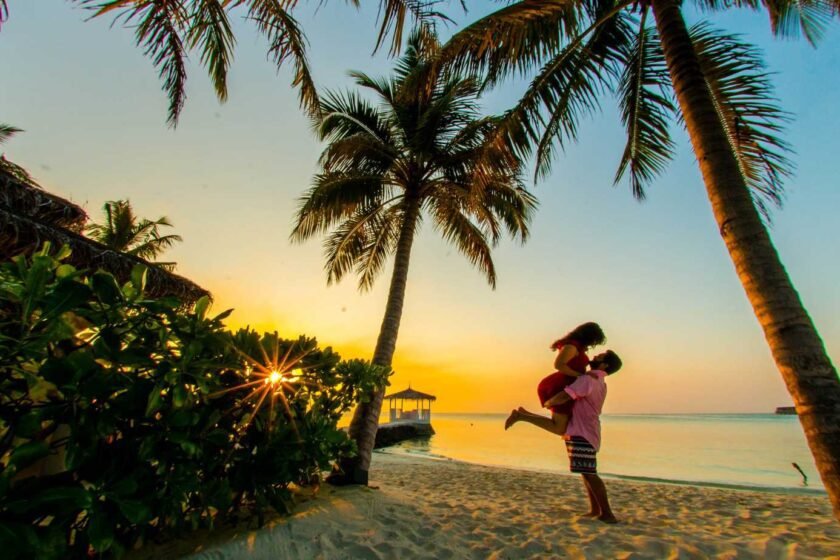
{"x": 795, "y": 344}
{"x": 366, "y": 417}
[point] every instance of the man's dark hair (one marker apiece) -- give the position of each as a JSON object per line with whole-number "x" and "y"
{"x": 587, "y": 335}
{"x": 611, "y": 361}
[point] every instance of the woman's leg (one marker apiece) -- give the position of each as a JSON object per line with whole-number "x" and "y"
{"x": 556, "y": 424}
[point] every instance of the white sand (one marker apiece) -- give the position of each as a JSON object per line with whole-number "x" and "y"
{"x": 427, "y": 508}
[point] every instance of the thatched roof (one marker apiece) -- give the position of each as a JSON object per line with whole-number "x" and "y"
{"x": 28, "y": 200}
{"x": 25, "y": 228}
{"x": 411, "y": 394}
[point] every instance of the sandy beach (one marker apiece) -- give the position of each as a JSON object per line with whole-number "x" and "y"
{"x": 428, "y": 508}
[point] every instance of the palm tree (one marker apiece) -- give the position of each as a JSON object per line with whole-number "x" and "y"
{"x": 168, "y": 30}
{"x": 583, "y": 48}
{"x": 421, "y": 152}
{"x": 122, "y": 231}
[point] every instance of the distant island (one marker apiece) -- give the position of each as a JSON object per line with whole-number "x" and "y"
{"x": 786, "y": 410}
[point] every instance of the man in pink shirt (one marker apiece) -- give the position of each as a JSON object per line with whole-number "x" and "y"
{"x": 583, "y": 434}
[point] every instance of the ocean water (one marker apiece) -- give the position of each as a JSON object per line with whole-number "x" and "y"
{"x": 723, "y": 449}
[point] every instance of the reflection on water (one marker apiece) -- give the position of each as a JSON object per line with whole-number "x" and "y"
{"x": 744, "y": 449}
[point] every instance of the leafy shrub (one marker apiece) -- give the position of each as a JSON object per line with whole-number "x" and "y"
{"x": 125, "y": 418}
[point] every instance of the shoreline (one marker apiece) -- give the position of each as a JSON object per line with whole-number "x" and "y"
{"x": 618, "y": 477}
{"x": 422, "y": 507}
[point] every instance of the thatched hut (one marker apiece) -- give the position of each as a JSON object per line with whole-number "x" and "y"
{"x": 29, "y": 216}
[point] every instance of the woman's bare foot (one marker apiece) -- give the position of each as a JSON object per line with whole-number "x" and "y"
{"x": 608, "y": 519}
{"x": 512, "y": 419}
{"x": 592, "y": 514}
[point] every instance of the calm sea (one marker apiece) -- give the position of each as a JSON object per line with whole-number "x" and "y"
{"x": 729, "y": 449}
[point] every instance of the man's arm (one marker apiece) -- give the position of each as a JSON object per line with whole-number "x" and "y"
{"x": 580, "y": 388}
{"x": 559, "y": 399}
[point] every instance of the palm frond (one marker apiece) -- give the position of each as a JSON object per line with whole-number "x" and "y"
{"x": 466, "y": 236}
{"x": 382, "y": 87}
{"x": 7, "y": 132}
{"x": 789, "y": 18}
{"x": 122, "y": 231}
{"x": 286, "y": 42}
{"x": 383, "y": 231}
{"x": 516, "y": 38}
{"x": 345, "y": 246}
{"x": 154, "y": 245}
{"x": 743, "y": 94}
{"x": 396, "y": 14}
{"x": 347, "y": 114}
{"x": 160, "y": 26}
{"x": 210, "y": 31}
{"x": 4, "y": 12}
{"x": 336, "y": 197}
{"x": 646, "y": 111}
{"x": 570, "y": 85}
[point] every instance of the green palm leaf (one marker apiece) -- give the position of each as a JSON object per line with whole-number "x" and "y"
{"x": 286, "y": 42}
{"x": 160, "y": 26}
{"x": 468, "y": 237}
{"x": 395, "y": 15}
{"x": 569, "y": 87}
{"x": 345, "y": 246}
{"x": 744, "y": 97}
{"x": 7, "y": 131}
{"x": 646, "y": 111}
{"x": 382, "y": 233}
{"x": 808, "y": 17}
{"x": 210, "y": 32}
{"x": 123, "y": 231}
{"x": 512, "y": 39}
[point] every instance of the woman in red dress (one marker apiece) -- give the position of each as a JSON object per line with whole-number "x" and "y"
{"x": 571, "y": 362}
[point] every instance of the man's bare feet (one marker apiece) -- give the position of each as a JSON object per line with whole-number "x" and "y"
{"x": 512, "y": 419}
{"x": 608, "y": 519}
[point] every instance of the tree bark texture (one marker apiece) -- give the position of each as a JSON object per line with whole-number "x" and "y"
{"x": 366, "y": 416}
{"x": 796, "y": 346}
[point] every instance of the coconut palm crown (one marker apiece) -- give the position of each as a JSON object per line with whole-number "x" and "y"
{"x": 123, "y": 231}
{"x": 421, "y": 152}
{"x": 713, "y": 84}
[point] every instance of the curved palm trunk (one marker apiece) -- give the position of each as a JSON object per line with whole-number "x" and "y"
{"x": 366, "y": 416}
{"x": 796, "y": 346}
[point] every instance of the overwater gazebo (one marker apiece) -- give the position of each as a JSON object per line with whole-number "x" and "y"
{"x": 419, "y": 408}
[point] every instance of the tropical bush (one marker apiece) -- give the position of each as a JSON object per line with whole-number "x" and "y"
{"x": 125, "y": 418}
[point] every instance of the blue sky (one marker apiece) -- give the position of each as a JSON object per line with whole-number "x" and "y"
{"x": 656, "y": 274}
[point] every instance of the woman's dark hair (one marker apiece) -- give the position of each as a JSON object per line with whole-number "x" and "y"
{"x": 587, "y": 335}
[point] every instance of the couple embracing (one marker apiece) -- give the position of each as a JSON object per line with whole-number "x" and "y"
{"x": 575, "y": 397}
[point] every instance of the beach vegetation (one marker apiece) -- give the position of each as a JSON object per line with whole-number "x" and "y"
{"x": 420, "y": 151}
{"x": 125, "y": 232}
{"x": 716, "y": 86}
{"x": 126, "y": 419}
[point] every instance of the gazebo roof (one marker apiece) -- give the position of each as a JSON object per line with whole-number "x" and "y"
{"x": 29, "y": 216}
{"x": 411, "y": 394}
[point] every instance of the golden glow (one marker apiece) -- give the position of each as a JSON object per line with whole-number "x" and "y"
{"x": 274, "y": 377}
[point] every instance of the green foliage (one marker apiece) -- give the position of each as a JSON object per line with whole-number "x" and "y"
{"x": 124, "y": 418}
